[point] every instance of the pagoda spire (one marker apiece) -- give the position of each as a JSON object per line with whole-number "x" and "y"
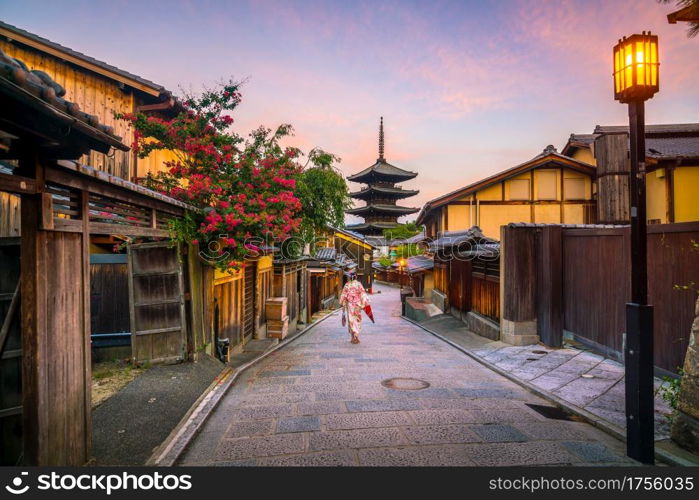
{"x": 381, "y": 210}
{"x": 381, "y": 158}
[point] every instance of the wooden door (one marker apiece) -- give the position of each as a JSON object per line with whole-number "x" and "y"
{"x": 10, "y": 354}
{"x": 249, "y": 301}
{"x": 316, "y": 283}
{"x": 109, "y": 294}
{"x": 156, "y": 303}
{"x": 228, "y": 313}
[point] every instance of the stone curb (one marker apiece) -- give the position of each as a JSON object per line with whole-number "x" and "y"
{"x": 616, "y": 431}
{"x": 170, "y": 450}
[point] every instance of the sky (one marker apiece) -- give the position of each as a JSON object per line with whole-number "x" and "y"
{"x": 466, "y": 88}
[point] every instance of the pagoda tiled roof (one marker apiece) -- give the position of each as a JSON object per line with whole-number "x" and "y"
{"x": 381, "y": 208}
{"x": 382, "y": 170}
{"x": 386, "y": 191}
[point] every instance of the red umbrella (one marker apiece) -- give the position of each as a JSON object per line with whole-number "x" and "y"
{"x": 368, "y": 311}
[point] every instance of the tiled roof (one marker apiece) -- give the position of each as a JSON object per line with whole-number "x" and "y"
{"x": 672, "y": 147}
{"x": 688, "y": 13}
{"x": 376, "y": 241}
{"x": 583, "y": 138}
{"x": 38, "y": 90}
{"x": 83, "y": 57}
{"x": 378, "y": 207}
{"x": 382, "y": 169}
{"x": 665, "y": 141}
{"x": 326, "y": 253}
{"x": 417, "y": 238}
{"x": 667, "y": 128}
{"x": 483, "y": 250}
{"x": 353, "y": 234}
{"x": 391, "y": 192}
{"x": 279, "y": 259}
{"x": 578, "y": 141}
{"x": 449, "y": 239}
{"x": 419, "y": 263}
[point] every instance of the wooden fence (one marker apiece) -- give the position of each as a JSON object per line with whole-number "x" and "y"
{"x": 581, "y": 283}
{"x": 485, "y": 288}
{"x": 471, "y": 284}
{"x": 597, "y": 285}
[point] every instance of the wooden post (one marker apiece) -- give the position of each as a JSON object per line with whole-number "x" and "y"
{"x": 87, "y": 322}
{"x": 611, "y": 152}
{"x": 550, "y": 286}
{"x": 518, "y": 285}
{"x": 55, "y": 339}
{"x": 46, "y": 211}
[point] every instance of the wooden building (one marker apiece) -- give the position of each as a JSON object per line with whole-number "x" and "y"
{"x": 291, "y": 281}
{"x": 551, "y": 188}
{"x": 467, "y": 279}
{"x": 237, "y": 300}
{"x": 99, "y": 89}
{"x": 380, "y": 195}
{"x": 325, "y": 279}
{"x": 45, "y": 303}
{"x": 359, "y": 250}
{"x": 672, "y": 166}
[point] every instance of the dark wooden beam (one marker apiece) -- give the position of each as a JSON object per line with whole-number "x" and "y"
{"x": 17, "y": 184}
{"x": 46, "y": 215}
{"x": 670, "y": 187}
{"x": 126, "y": 230}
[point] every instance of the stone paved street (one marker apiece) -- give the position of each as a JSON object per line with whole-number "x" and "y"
{"x": 320, "y": 401}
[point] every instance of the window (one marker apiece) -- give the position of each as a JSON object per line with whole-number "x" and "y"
{"x": 574, "y": 188}
{"x": 519, "y": 189}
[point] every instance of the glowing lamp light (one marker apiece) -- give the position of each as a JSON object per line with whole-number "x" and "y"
{"x": 401, "y": 262}
{"x": 636, "y": 68}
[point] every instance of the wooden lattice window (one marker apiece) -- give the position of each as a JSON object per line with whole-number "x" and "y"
{"x": 107, "y": 210}
{"x": 66, "y": 202}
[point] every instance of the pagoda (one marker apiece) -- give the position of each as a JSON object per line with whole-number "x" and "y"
{"x": 380, "y": 194}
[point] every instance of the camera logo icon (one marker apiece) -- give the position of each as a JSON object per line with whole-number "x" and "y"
{"x": 16, "y": 487}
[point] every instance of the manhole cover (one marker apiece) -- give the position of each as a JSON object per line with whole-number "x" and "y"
{"x": 405, "y": 384}
{"x": 554, "y": 413}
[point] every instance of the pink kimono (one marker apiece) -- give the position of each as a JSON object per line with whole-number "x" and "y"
{"x": 354, "y": 299}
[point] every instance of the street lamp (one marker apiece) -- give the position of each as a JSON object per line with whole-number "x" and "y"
{"x": 401, "y": 271}
{"x": 636, "y": 75}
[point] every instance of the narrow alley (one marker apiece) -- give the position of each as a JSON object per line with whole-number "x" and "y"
{"x": 324, "y": 401}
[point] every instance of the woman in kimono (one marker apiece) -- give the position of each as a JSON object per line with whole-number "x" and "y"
{"x": 353, "y": 299}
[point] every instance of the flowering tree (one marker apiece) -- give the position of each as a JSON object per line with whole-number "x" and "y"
{"x": 243, "y": 189}
{"x": 323, "y": 192}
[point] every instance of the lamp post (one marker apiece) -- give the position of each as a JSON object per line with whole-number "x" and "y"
{"x": 635, "y": 81}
